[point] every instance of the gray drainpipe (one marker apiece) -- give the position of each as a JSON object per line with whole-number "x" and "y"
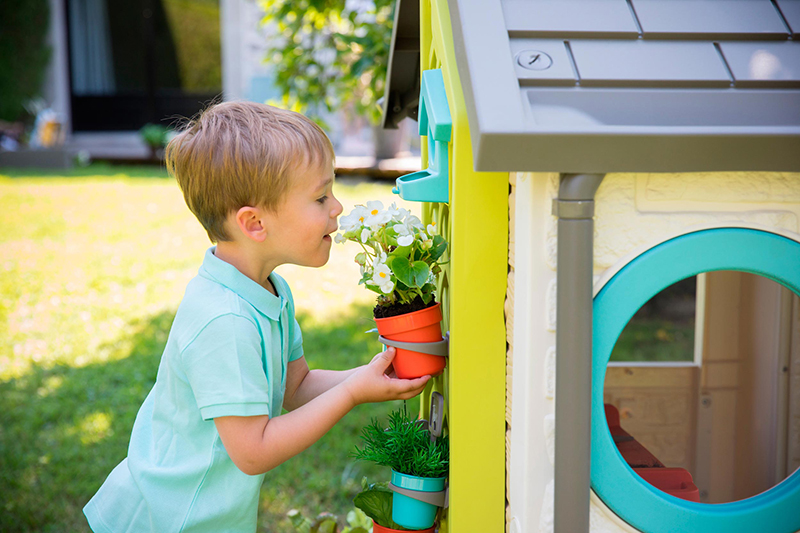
{"x": 574, "y": 208}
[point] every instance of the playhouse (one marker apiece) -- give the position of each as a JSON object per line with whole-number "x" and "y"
{"x": 585, "y": 156}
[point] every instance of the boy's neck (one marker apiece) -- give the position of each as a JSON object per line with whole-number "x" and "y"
{"x": 246, "y": 262}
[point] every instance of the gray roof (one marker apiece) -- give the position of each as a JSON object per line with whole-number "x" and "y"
{"x": 630, "y": 85}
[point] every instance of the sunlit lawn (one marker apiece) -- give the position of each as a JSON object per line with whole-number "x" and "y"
{"x": 92, "y": 268}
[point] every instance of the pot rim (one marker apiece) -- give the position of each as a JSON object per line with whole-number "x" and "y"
{"x": 409, "y": 321}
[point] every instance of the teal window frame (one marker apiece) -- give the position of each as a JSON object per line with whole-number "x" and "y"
{"x": 634, "y": 500}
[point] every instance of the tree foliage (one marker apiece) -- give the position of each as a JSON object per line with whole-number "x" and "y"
{"x": 24, "y": 53}
{"x": 331, "y": 54}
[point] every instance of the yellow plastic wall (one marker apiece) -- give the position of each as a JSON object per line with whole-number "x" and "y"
{"x": 472, "y": 291}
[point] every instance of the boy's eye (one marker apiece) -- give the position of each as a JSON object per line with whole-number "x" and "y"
{"x": 322, "y": 200}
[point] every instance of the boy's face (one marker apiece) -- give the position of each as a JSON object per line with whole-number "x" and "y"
{"x": 299, "y": 232}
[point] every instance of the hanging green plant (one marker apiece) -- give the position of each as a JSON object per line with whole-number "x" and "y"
{"x": 405, "y": 446}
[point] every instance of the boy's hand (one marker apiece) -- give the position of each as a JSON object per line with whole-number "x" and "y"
{"x": 375, "y": 382}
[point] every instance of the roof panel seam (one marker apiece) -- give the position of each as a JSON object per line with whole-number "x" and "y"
{"x": 635, "y": 17}
{"x": 725, "y": 63}
{"x": 783, "y": 18}
{"x": 573, "y": 63}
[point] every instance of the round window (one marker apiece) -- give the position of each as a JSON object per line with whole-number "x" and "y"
{"x": 618, "y": 485}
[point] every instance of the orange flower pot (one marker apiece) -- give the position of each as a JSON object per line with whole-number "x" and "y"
{"x": 420, "y": 326}
{"x": 376, "y": 528}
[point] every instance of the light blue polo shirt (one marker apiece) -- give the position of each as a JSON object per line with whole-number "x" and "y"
{"x": 226, "y": 355}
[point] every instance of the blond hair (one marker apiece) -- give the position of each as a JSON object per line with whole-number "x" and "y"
{"x": 236, "y": 154}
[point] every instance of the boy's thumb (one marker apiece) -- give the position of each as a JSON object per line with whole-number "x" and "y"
{"x": 385, "y": 358}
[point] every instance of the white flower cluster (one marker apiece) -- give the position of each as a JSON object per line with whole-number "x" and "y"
{"x": 396, "y": 245}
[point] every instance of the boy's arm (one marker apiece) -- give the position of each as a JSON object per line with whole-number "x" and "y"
{"x": 303, "y": 385}
{"x": 257, "y": 444}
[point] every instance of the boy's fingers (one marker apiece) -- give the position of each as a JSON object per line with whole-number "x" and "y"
{"x": 414, "y": 391}
{"x": 415, "y": 384}
{"x": 384, "y": 358}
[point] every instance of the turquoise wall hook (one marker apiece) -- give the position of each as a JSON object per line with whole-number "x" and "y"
{"x": 435, "y": 122}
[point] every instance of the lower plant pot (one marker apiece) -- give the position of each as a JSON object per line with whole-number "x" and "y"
{"x": 420, "y": 326}
{"x": 377, "y": 528}
{"x": 409, "y": 512}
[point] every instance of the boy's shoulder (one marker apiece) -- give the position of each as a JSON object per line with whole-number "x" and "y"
{"x": 204, "y": 301}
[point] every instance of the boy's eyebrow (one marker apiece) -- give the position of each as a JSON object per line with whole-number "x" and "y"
{"x": 324, "y": 183}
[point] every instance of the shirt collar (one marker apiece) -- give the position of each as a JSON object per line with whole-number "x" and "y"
{"x": 229, "y": 276}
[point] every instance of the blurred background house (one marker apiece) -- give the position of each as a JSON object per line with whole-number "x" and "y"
{"x": 115, "y": 67}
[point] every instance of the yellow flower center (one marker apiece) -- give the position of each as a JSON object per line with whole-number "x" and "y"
{"x": 433, "y": 223}
{"x": 374, "y": 212}
{"x": 361, "y": 219}
{"x": 382, "y": 274}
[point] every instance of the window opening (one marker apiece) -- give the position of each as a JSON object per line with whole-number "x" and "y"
{"x": 717, "y": 431}
{"x": 663, "y": 329}
{"x": 141, "y": 61}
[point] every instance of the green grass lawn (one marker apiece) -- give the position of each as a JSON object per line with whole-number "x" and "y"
{"x": 93, "y": 265}
{"x": 654, "y": 340}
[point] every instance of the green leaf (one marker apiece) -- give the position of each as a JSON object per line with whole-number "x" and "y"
{"x": 300, "y": 523}
{"x": 358, "y": 520}
{"x": 401, "y": 268}
{"x": 376, "y": 503}
{"x": 325, "y": 523}
{"x": 401, "y": 251}
{"x": 420, "y": 272}
{"x": 439, "y": 247}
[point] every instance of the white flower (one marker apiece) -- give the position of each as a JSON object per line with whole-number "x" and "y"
{"x": 431, "y": 228}
{"x": 382, "y": 277}
{"x": 354, "y": 220}
{"x": 339, "y": 238}
{"x": 414, "y": 222}
{"x": 365, "y": 233}
{"x": 376, "y": 216}
{"x": 405, "y": 240}
{"x": 397, "y": 214}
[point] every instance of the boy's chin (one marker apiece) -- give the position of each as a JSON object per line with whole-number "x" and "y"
{"x": 320, "y": 262}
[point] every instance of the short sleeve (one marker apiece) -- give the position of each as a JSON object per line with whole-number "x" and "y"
{"x": 225, "y": 371}
{"x": 296, "y": 351}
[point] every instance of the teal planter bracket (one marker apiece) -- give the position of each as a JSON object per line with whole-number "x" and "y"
{"x": 435, "y": 122}
{"x": 416, "y": 500}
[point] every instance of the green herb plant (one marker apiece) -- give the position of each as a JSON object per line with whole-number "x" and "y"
{"x": 405, "y": 446}
{"x": 375, "y": 501}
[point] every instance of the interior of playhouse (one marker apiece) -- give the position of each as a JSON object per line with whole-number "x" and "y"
{"x": 697, "y": 392}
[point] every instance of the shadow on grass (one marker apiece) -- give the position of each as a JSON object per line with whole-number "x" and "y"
{"x": 63, "y": 429}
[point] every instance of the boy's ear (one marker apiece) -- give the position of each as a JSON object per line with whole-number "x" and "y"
{"x": 250, "y": 221}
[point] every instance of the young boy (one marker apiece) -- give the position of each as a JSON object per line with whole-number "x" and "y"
{"x": 259, "y": 180}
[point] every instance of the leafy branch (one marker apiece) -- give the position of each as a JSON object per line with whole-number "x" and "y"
{"x": 331, "y": 53}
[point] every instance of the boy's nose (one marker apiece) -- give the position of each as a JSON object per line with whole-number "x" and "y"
{"x": 337, "y": 208}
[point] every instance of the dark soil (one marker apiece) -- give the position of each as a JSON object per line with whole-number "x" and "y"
{"x": 401, "y": 309}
